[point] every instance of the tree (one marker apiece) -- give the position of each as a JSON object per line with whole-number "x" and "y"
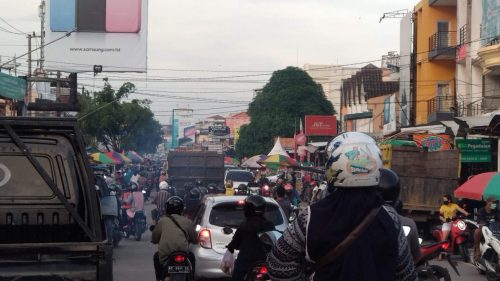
{"x": 289, "y": 95}
{"x": 116, "y": 124}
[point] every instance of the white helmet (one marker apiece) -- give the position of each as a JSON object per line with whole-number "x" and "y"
{"x": 354, "y": 160}
{"x": 163, "y": 185}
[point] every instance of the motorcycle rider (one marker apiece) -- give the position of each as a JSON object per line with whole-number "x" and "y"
{"x": 246, "y": 237}
{"x": 489, "y": 213}
{"x": 160, "y": 199}
{"x": 379, "y": 252}
{"x": 291, "y": 194}
{"x": 126, "y": 203}
{"x": 284, "y": 203}
{"x": 137, "y": 201}
{"x": 193, "y": 199}
{"x": 390, "y": 187}
{"x": 447, "y": 212}
{"x": 172, "y": 233}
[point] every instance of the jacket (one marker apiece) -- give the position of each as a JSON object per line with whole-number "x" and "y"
{"x": 380, "y": 253}
{"x": 170, "y": 238}
{"x": 247, "y": 242}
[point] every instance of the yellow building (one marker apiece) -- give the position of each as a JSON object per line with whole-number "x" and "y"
{"x": 435, "y": 41}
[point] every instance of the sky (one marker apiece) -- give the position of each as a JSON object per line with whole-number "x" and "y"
{"x": 219, "y": 38}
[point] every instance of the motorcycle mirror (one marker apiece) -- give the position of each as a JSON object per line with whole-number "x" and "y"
{"x": 227, "y": 230}
{"x": 151, "y": 228}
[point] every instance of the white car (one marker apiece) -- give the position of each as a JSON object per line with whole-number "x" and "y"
{"x": 216, "y": 221}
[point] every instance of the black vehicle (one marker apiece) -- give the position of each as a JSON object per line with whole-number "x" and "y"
{"x": 137, "y": 226}
{"x": 50, "y": 220}
{"x": 178, "y": 267}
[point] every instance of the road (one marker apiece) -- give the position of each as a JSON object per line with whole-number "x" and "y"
{"x": 133, "y": 260}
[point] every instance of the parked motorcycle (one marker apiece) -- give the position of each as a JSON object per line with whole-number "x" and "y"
{"x": 178, "y": 267}
{"x": 137, "y": 226}
{"x": 489, "y": 262}
{"x": 426, "y": 271}
{"x": 461, "y": 237}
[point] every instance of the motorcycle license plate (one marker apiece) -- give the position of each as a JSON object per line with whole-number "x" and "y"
{"x": 179, "y": 269}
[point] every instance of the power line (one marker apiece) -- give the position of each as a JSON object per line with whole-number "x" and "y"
{"x": 20, "y": 31}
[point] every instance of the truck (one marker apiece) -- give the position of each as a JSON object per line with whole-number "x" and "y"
{"x": 425, "y": 177}
{"x": 50, "y": 219}
{"x": 187, "y": 167}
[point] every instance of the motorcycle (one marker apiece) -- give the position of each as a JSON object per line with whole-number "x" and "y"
{"x": 113, "y": 229}
{"x": 426, "y": 271}
{"x": 178, "y": 267}
{"x": 259, "y": 270}
{"x": 489, "y": 263}
{"x": 461, "y": 237}
{"x": 137, "y": 226}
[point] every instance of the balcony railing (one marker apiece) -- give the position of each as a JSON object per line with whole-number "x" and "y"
{"x": 464, "y": 35}
{"x": 440, "y": 108}
{"x": 442, "y": 45}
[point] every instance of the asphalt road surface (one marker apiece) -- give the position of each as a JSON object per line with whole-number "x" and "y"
{"x": 133, "y": 261}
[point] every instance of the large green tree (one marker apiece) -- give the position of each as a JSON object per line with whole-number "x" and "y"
{"x": 119, "y": 125}
{"x": 289, "y": 95}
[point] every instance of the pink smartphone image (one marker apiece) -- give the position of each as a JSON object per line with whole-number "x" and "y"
{"x": 123, "y": 16}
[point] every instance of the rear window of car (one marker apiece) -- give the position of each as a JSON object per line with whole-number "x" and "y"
{"x": 232, "y": 215}
{"x": 239, "y": 176}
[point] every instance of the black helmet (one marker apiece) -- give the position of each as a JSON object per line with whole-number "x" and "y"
{"x": 389, "y": 186}
{"x": 255, "y": 205}
{"x": 174, "y": 205}
{"x": 211, "y": 189}
{"x": 194, "y": 193}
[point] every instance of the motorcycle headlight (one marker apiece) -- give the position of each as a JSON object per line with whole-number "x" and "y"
{"x": 461, "y": 225}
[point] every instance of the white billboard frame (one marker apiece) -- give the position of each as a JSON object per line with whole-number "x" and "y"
{"x": 114, "y": 49}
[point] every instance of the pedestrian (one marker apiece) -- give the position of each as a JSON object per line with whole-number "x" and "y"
{"x": 246, "y": 238}
{"x": 377, "y": 251}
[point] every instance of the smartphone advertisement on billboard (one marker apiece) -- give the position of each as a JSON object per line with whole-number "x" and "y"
{"x": 111, "y": 33}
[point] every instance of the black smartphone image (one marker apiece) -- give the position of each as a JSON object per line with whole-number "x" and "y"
{"x": 91, "y": 15}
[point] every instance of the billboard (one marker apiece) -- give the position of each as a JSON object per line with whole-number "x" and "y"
{"x": 389, "y": 115}
{"x": 433, "y": 142}
{"x": 183, "y": 129}
{"x": 321, "y": 125}
{"x": 111, "y": 33}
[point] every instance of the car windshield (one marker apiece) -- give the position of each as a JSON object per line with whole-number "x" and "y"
{"x": 239, "y": 176}
{"x": 232, "y": 215}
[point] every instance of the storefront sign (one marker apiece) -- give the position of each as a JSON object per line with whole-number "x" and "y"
{"x": 321, "y": 125}
{"x": 433, "y": 142}
{"x": 474, "y": 150}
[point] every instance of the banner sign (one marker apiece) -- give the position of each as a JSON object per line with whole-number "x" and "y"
{"x": 433, "y": 142}
{"x": 111, "y": 34}
{"x": 474, "y": 150}
{"x": 12, "y": 87}
{"x": 321, "y": 125}
{"x": 389, "y": 115}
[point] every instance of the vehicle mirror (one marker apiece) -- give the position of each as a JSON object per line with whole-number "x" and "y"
{"x": 151, "y": 228}
{"x": 227, "y": 230}
{"x": 198, "y": 227}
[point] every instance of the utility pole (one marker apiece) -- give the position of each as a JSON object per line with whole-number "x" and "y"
{"x": 41, "y": 11}
{"x": 27, "y": 99}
